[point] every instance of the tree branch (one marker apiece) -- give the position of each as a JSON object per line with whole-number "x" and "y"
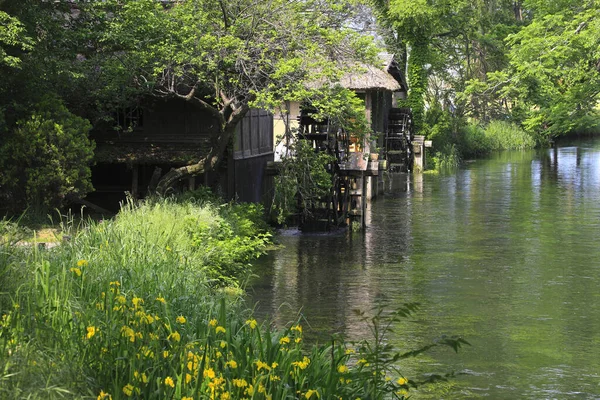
{"x": 225, "y": 18}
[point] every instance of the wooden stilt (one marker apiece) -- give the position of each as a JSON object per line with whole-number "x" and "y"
{"x": 363, "y": 199}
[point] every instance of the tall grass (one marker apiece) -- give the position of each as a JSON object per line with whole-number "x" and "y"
{"x": 449, "y": 158}
{"x": 507, "y": 136}
{"x": 497, "y": 135}
{"x": 146, "y": 306}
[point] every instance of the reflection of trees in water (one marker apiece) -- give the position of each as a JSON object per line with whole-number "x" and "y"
{"x": 504, "y": 252}
{"x": 326, "y": 277}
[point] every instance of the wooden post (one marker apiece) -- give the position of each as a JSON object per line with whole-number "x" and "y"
{"x": 369, "y": 108}
{"x": 363, "y": 199}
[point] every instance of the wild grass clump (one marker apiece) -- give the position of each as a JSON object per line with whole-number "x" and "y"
{"x": 504, "y": 135}
{"x": 448, "y": 158}
{"x": 146, "y": 306}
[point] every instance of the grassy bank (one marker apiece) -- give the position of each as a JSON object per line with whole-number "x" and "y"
{"x": 148, "y": 306}
{"x": 455, "y": 139}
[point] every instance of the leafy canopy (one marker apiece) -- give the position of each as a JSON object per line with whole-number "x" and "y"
{"x": 225, "y": 55}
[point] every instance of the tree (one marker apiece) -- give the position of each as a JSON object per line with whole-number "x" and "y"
{"x": 222, "y": 56}
{"x": 13, "y": 39}
{"x": 45, "y": 153}
{"x": 446, "y": 43}
{"x": 552, "y": 83}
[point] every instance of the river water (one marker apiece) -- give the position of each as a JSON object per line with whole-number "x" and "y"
{"x": 505, "y": 253}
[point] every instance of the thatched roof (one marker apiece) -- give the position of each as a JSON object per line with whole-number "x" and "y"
{"x": 368, "y": 77}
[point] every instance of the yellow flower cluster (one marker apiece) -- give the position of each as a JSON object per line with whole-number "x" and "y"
{"x": 104, "y": 396}
{"x": 128, "y": 389}
{"x": 240, "y": 383}
{"x": 302, "y": 364}
{"x": 175, "y": 336}
{"x": 169, "y": 382}
{"x": 284, "y": 340}
{"x": 262, "y": 365}
{"x": 91, "y": 331}
{"x": 342, "y": 369}
{"x": 141, "y": 377}
{"x": 137, "y": 302}
{"x": 149, "y": 334}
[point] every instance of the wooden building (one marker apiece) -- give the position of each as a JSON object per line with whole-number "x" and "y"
{"x": 354, "y": 175}
{"x": 380, "y": 86}
{"x": 165, "y": 134}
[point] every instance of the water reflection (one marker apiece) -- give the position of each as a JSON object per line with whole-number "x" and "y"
{"x": 504, "y": 252}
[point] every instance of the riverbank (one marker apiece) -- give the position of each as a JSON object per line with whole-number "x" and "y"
{"x": 149, "y": 305}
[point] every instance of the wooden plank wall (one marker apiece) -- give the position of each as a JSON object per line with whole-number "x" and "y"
{"x": 382, "y": 102}
{"x": 173, "y": 121}
{"x": 253, "y": 148}
{"x": 254, "y": 135}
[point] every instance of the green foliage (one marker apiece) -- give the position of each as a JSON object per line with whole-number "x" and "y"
{"x": 497, "y": 135}
{"x": 475, "y": 142}
{"x": 447, "y": 158}
{"x": 378, "y": 361}
{"x": 126, "y": 309}
{"x": 46, "y": 158}
{"x": 417, "y": 76}
{"x": 12, "y": 36}
{"x": 223, "y": 54}
{"x": 445, "y": 45}
{"x": 455, "y": 139}
{"x": 507, "y": 136}
{"x": 219, "y": 240}
{"x": 440, "y": 127}
{"x": 341, "y": 107}
{"x": 552, "y": 83}
{"x": 303, "y": 179}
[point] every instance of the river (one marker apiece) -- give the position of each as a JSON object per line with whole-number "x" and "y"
{"x": 505, "y": 253}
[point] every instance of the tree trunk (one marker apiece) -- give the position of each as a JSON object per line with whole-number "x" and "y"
{"x": 209, "y": 162}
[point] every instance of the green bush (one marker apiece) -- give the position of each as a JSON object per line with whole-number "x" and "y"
{"x": 474, "y": 141}
{"x": 46, "y": 159}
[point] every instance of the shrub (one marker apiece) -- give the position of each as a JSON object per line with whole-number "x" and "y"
{"x": 474, "y": 141}
{"x": 46, "y": 158}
